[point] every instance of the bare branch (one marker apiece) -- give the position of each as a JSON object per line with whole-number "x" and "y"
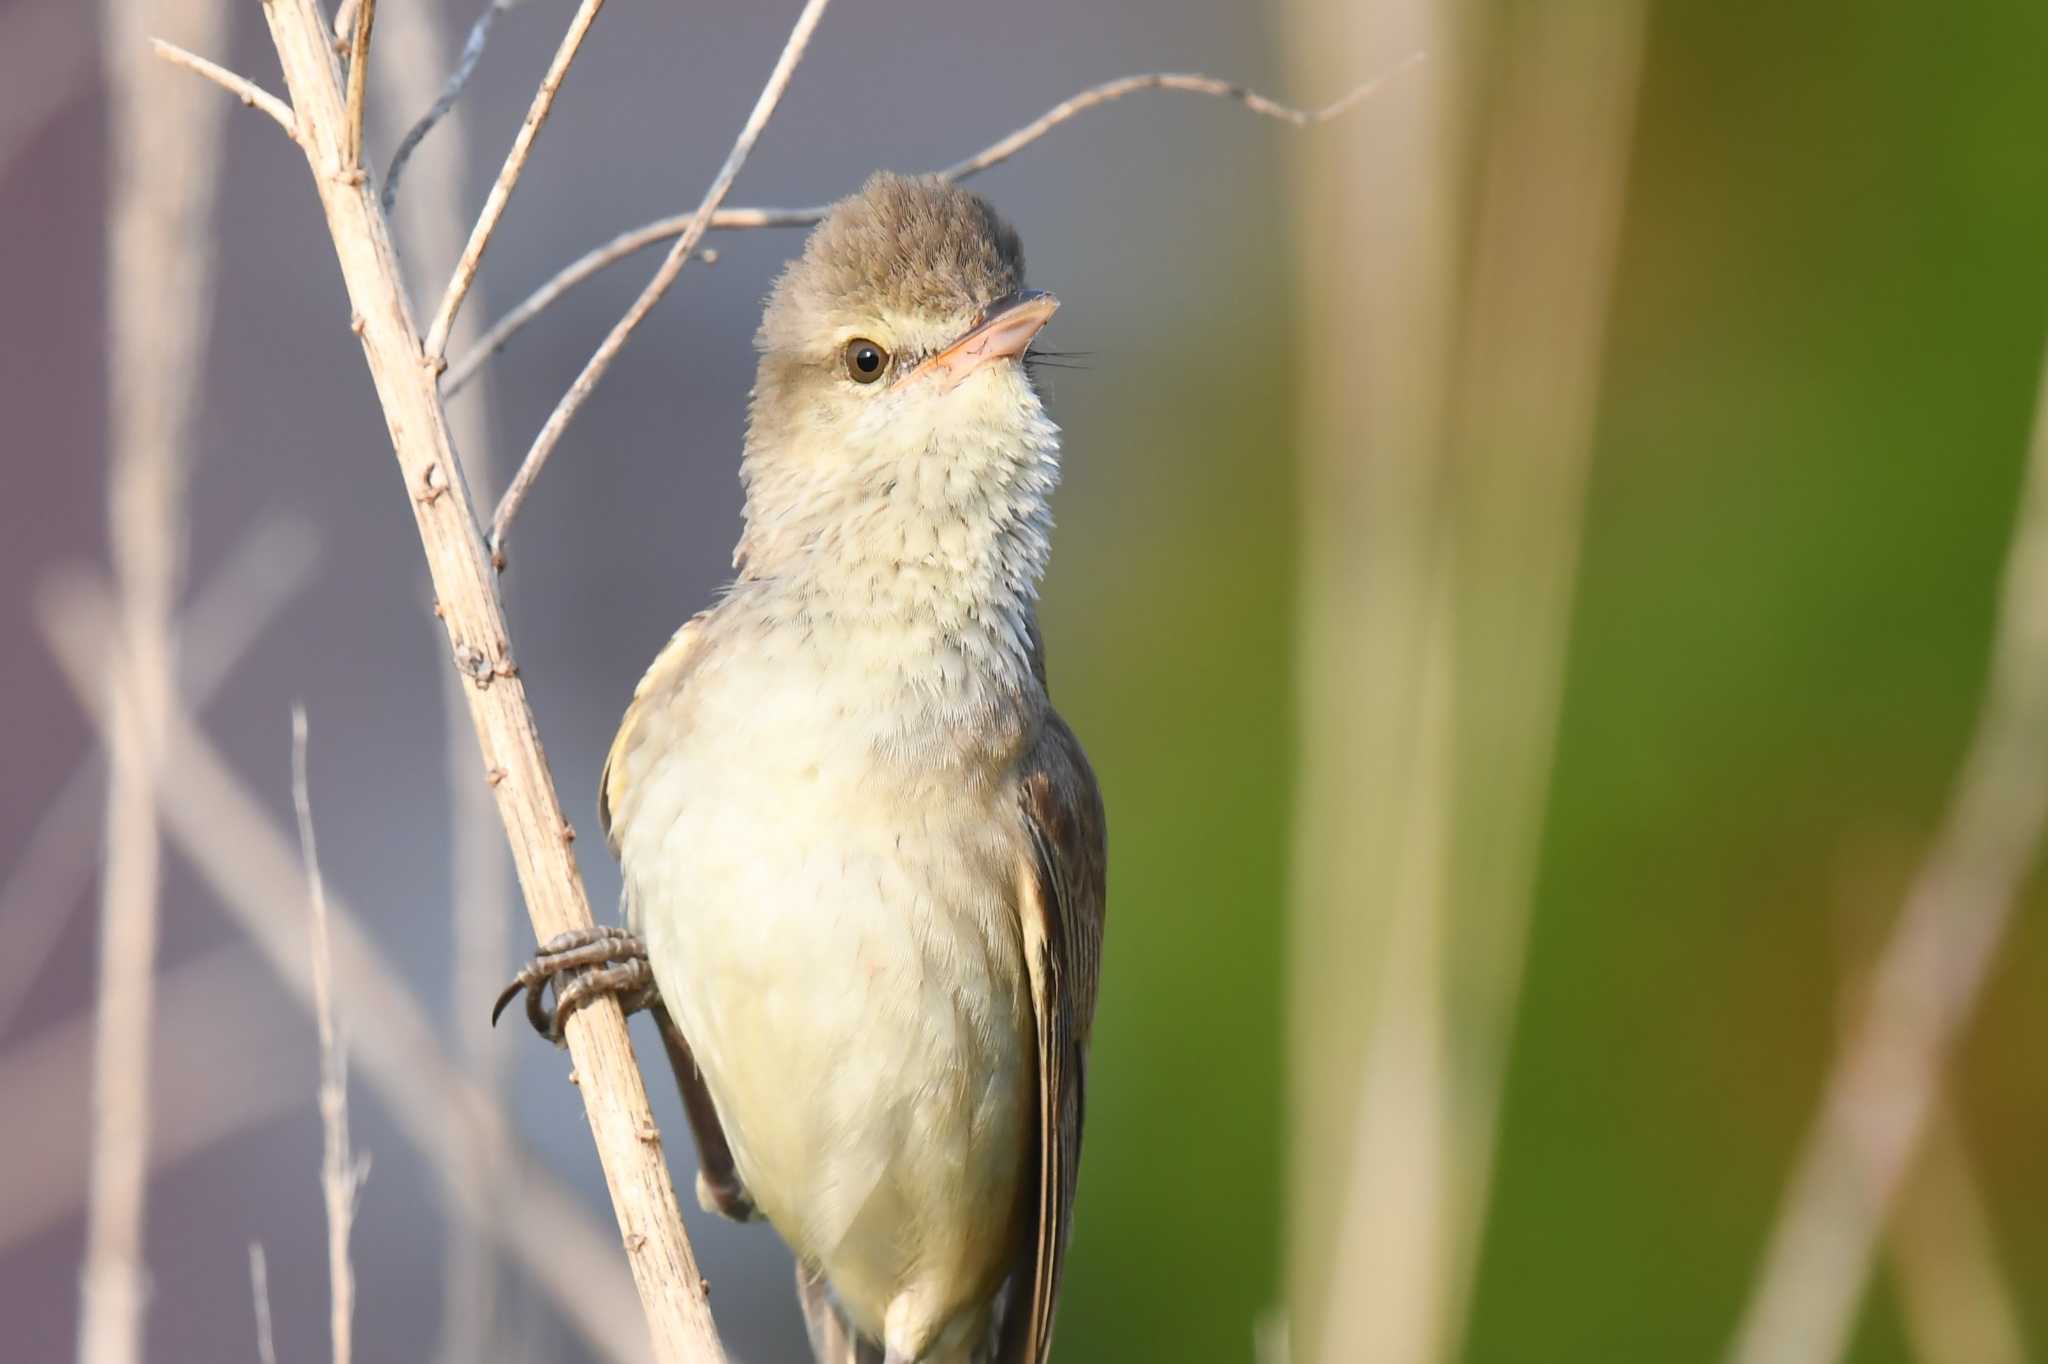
{"x": 252, "y": 95}
{"x": 594, "y": 370}
{"x": 358, "y": 84}
{"x": 465, "y": 67}
{"x": 662, "y": 229}
{"x": 473, "y": 613}
{"x": 259, "y": 1292}
{"x": 508, "y": 177}
{"x": 1883, "y": 1087}
{"x": 341, "y": 1178}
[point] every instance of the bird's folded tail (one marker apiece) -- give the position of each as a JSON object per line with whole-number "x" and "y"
{"x": 833, "y": 1339}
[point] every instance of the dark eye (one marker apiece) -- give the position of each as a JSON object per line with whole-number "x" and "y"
{"x": 865, "y": 360}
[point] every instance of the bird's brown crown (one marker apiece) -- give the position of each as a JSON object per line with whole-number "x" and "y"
{"x": 907, "y": 245}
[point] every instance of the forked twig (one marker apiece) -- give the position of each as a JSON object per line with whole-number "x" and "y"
{"x": 594, "y": 369}
{"x": 508, "y": 177}
{"x": 662, "y": 229}
{"x": 472, "y": 612}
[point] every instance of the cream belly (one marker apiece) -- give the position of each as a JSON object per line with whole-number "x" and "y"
{"x": 841, "y": 947}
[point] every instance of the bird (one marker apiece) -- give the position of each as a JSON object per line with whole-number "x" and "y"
{"x": 864, "y": 859}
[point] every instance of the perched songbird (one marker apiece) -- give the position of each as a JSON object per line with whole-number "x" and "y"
{"x": 864, "y": 854}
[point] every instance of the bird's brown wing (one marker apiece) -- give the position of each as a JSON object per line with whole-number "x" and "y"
{"x": 657, "y": 689}
{"x": 1061, "y": 905}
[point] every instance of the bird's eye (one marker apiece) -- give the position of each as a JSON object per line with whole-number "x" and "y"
{"x": 865, "y": 361}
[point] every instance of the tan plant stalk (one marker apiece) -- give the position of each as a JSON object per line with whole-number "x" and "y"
{"x": 1882, "y": 1087}
{"x": 1442, "y": 497}
{"x": 431, "y": 226}
{"x": 163, "y": 169}
{"x": 341, "y": 1175}
{"x": 252, "y": 866}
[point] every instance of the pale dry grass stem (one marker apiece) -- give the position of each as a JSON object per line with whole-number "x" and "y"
{"x": 341, "y": 1173}
{"x": 1883, "y": 1085}
{"x": 1448, "y": 409}
{"x": 163, "y": 166}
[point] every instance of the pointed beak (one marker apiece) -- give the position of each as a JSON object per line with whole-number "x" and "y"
{"x": 1004, "y": 333}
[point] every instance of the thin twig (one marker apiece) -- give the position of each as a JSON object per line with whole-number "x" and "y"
{"x": 1882, "y": 1089}
{"x": 252, "y": 95}
{"x": 611, "y": 253}
{"x": 341, "y": 1177}
{"x": 594, "y": 370}
{"x": 251, "y": 865}
{"x": 465, "y": 67}
{"x": 468, "y": 603}
{"x": 259, "y": 1292}
{"x": 508, "y": 178}
{"x": 662, "y": 229}
{"x": 358, "y": 85}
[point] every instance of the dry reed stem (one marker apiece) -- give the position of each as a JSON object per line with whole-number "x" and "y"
{"x": 265, "y": 569}
{"x": 467, "y": 600}
{"x": 252, "y": 866}
{"x": 259, "y": 1294}
{"x": 431, "y": 228}
{"x": 341, "y": 1176}
{"x": 1443, "y": 497}
{"x": 44, "y": 1180}
{"x": 508, "y": 179}
{"x": 1883, "y": 1085}
{"x": 163, "y": 168}
{"x": 1547, "y": 219}
{"x": 365, "y": 17}
{"x": 608, "y": 350}
{"x": 628, "y": 243}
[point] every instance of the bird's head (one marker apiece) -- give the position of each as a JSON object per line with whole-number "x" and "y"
{"x": 891, "y": 392}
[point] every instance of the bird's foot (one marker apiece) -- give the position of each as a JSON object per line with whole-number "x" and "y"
{"x": 581, "y": 965}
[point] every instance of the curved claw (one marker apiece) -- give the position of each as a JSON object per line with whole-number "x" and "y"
{"x": 505, "y": 997}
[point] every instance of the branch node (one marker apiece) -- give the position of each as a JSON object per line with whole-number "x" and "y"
{"x": 493, "y": 777}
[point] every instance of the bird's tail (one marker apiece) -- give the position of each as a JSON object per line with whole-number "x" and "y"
{"x": 833, "y": 1339}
